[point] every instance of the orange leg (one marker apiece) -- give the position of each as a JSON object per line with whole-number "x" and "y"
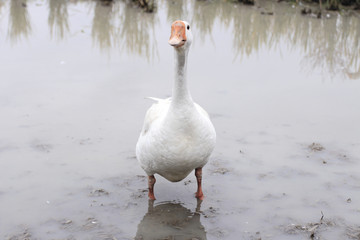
{"x": 199, "y": 194}
{"x": 151, "y": 181}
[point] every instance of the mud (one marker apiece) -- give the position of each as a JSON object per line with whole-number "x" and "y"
{"x": 73, "y": 81}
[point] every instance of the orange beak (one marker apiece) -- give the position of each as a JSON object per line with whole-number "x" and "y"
{"x": 178, "y": 34}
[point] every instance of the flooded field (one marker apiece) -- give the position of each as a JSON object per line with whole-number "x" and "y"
{"x": 282, "y": 89}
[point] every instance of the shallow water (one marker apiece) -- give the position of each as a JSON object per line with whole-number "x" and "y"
{"x": 74, "y": 75}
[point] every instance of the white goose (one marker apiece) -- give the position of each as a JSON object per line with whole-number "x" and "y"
{"x": 177, "y": 135}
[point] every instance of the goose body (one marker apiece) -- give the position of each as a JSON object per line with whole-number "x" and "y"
{"x": 174, "y": 142}
{"x": 177, "y": 136}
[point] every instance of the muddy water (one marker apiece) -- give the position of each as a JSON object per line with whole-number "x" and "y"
{"x": 282, "y": 90}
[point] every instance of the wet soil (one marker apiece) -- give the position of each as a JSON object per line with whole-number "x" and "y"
{"x": 282, "y": 91}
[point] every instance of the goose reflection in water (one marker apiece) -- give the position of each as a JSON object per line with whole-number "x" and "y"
{"x": 170, "y": 220}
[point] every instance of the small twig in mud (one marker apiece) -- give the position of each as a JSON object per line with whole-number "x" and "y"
{"x": 316, "y": 147}
{"x": 98, "y": 192}
{"x": 221, "y": 170}
{"x": 187, "y": 182}
{"x": 24, "y": 235}
{"x": 316, "y": 225}
{"x": 309, "y": 228}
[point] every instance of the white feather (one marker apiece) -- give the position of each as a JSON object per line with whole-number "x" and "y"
{"x": 177, "y": 135}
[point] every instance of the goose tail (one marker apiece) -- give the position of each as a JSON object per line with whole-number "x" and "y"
{"x": 154, "y": 99}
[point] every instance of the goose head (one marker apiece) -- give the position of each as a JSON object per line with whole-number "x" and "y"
{"x": 181, "y": 36}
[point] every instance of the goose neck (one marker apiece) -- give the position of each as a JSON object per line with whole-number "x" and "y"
{"x": 181, "y": 94}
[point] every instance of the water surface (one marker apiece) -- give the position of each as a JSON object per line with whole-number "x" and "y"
{"x": 282, "y": 90}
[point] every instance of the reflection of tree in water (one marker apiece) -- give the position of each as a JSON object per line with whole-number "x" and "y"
{"x": 248, "y": 32}
{"x": 175, "y": 9}
{"x": 2, "y": 3}
{"x": 103, "y": 29}
{"x": 323, "y": 46}
{"x": 170, "y": 221}
{"x": 331, "y": 45}
{"x": 58, "y": 18}
{"x": 118, "y": 24}
{"x": 351, "y": 48}
{"x": 19, "y": 21}
{"x": 137, "y": 32}
{"x": 204, "y": 17}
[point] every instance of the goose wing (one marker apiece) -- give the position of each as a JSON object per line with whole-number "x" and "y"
{"x": 158, "y": 109}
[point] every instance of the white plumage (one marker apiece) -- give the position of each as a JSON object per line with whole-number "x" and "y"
{"x": 173, "y": 142}
{"x": 177, "y": 135}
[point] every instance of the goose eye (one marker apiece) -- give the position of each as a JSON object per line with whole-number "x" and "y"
{"x": 188, "y": 27}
